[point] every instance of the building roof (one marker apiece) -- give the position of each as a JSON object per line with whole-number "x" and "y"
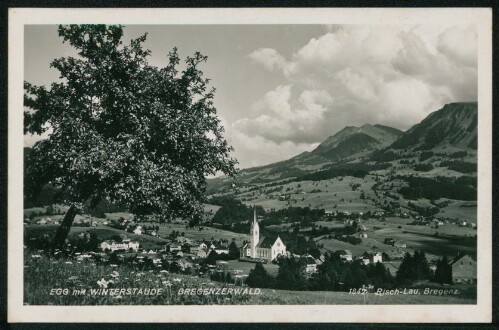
{"x": 459, "y": 257}
{"x": 266, "y": 242}
{"x": 343, "y": 252}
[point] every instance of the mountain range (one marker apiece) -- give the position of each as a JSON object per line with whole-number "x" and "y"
{"x": 449, "y": 131}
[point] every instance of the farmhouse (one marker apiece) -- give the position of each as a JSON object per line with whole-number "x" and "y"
{"x": 377, "y": 257}
{"x": 463, "y": 269}
{"x": 219, "y": 249}
{"x": 310, "y": 264}
{"x": 114, "y": 246}
{"x": 266, "y": 248}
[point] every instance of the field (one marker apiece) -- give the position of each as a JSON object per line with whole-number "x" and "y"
{"x": 103, "y": 233}
{"x": 207, "y": 233}
{"x": 44, "y": 274}
{"x": 247, "y": 266}
{"x": 333, "y": 194}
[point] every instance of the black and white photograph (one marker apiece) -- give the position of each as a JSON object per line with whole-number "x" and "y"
{"x": 335, "y": 159}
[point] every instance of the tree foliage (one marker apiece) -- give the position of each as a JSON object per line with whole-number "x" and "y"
{"x": 291, "y": 275}
{"x": 123, "y": 130}
{"x": 259, "y": 278}
{"x": 414, "y": 268}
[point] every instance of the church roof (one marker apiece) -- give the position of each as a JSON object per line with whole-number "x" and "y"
{"x": 266, "y": 242}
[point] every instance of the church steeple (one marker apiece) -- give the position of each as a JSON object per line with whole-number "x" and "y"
{"x": 254, "y": 234}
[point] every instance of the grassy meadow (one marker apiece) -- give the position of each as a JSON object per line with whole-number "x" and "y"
{"x": 44, "y": 274}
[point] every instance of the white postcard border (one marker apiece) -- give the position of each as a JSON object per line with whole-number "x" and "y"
{"x": 481, "y": 312}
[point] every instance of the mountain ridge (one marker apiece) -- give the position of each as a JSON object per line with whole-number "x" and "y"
{"x": 449, "y": 130}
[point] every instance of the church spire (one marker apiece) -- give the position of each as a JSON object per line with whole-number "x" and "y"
{"x": 254, "y": 215}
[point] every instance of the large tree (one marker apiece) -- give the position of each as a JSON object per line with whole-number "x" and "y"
{"x": 122, "y": 130}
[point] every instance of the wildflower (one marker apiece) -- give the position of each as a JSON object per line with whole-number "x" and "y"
{"x": 163, "y": 271}
{"x": 176, "y": 279}
{"x": 114, "y": 274}
{"x": 35, "y": 256}
{"x": 68, "y": 263}
{"x": 103, "y": 283}
{"x": 118, "y": 297}
{"x": 72, "y": 278}
{"x": 113, "y": 265}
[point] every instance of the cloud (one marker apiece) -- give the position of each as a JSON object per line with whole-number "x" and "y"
{"x": 269, "y": 57}
{"x": 351, "y": 75}
{"x": 285, "y": 119}
{"x": 460, "y": 45}
{"x": 253, "y": 151}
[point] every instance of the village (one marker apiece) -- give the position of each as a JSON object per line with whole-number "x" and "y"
{"x": 149, "y": 244}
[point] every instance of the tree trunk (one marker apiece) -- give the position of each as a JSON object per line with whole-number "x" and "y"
{"x": 63, "y": 231}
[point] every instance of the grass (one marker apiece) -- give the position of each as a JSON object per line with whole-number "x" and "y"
{"x": 247, "y": 266}
{"x": 283, "y": 297}
{"x": 194, "y": 233}
{"x": 334, "y": 195}
{"x": 103, "y": 233}
{"x": 43, "y": 274}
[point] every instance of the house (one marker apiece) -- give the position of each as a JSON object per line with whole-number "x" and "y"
{"x": 463, "y": 269}
{"x": 220, "y": 249}
{"x": 267, "y": 248}
{"x": 175, "y": 247}
{"x": 115, "y": 246}
{"x": 202, "y": 251}
{"x": 472, "y": 225}
{"x": 138, "y": 230}
{"x": 362, "y": 235}
{"x": 344, "y": 254}
{"x": 376, "y": 257}
{"x": 310, "y": 264}
{"x": 42, "y": 222}
{"x": 364, "y": 260}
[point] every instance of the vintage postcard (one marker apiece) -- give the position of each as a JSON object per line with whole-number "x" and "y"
{"x": 250, "y": 165}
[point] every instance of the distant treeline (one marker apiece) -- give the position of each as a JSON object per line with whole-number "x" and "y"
{"x": 463, "y": 188}
{"x": 458, "y": 166}
{"x": 232, "y": 210}
{"x": 358, "y": 170}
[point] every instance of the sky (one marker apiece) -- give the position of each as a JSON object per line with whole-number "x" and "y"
{"x": 283, "y": 89}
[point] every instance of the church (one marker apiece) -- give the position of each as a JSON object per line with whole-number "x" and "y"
{"x": 266, "y": 248}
